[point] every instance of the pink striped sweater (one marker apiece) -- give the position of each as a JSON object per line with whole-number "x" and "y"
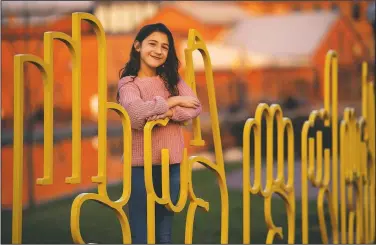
{"x": 145, "y": 97}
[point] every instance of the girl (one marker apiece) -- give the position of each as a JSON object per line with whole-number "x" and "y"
{"x": 149, "y": 89}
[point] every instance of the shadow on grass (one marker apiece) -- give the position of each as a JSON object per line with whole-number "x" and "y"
{"x": 50, "y": 223}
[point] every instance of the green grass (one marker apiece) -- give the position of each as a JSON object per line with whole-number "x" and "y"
{"x": 50, "y": 223}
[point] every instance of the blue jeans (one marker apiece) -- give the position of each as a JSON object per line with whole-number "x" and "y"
{"x": 137, "y": 204}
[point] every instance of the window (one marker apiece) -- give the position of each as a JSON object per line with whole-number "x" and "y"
{"x": 112, "y": 92}
{"x": 296, "y": 8}
{"x": 356, "y": 11}
{"x": 334, "y": 7}
{"x": 340, "y": 41}
{"x": 317, "y": 7}
{"x": 124, "y": 16}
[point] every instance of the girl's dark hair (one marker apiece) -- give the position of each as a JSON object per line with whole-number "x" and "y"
{"x": 168, "y": 71}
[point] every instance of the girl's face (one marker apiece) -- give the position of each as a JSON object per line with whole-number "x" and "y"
{"x": 153, "y": 50}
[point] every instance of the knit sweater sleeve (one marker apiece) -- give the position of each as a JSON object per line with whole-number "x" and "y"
{"x": 180, "y": 114}
{"x": 138, "y": 109}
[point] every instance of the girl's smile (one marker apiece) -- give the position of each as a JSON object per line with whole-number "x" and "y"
{"x": 157, "y": 58}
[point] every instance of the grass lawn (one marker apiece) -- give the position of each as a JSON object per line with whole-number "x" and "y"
{"x": 50, "y": 223}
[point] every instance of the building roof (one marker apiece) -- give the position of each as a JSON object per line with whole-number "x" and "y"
{"x": 225, "y": 57}
{"x": 23, "y": 17}
{"x": 38, "y": 13}
{"x": 220, "y": 13}
{"x": 278, "y": 41}
{"x": 294, "y": 35}
{"x": 222, "y": 57}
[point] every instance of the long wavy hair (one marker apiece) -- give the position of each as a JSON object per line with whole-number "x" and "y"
{"x": 168, "y": 71}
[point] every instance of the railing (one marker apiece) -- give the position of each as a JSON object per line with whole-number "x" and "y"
{"x": 356, "y": 135}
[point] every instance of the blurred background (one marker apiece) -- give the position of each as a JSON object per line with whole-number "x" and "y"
{"x": 270, "y": 52}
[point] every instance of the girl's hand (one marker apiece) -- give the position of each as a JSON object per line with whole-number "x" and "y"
{"x": 160, "y": 116}
{"x": 188, "y": 101}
